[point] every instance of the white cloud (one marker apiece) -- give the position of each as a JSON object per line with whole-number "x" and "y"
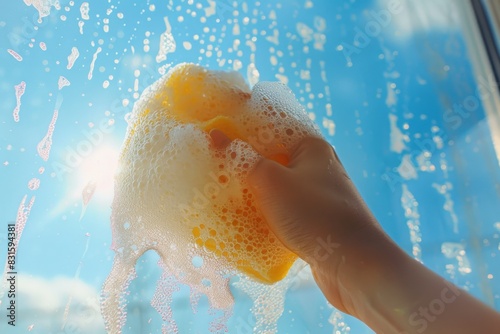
{"x": 423, "y": 15}
{"x": 41, "y": 303}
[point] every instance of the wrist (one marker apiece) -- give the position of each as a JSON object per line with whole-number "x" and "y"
{"x": 363, "y": 266}
{"x": 370, "y": 282}
{"x": 382, "y": 285}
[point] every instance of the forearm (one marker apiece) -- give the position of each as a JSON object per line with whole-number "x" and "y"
{"x": 392, "y": 293}
{"x": 316, "y": 211}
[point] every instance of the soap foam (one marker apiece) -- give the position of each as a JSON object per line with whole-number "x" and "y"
{"x": 190, "y": 202}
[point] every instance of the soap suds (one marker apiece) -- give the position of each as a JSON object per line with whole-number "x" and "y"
{"x": 178, "y": 195}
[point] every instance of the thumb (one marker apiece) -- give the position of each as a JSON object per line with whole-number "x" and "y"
{"x": 310, "y": 156}
{"x": 267, "y": 174}
{"x": 311, "y": 149}
{"x": 315, "y": 155}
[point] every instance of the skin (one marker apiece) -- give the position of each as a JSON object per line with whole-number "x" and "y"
{"x": 316, "y": 211}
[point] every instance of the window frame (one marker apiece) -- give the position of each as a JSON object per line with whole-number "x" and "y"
{"x": 487, "y": 14}
{"x": 484, "y": 57}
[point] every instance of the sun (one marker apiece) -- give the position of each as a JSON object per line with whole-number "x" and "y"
{"x": 95, "y": 176}
{"x": 93, "y": 181}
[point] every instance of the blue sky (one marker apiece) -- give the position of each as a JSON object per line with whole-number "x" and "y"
{"x": 414, "y": 69}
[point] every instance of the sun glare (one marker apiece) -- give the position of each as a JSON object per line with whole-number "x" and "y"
{"x": 97, "y": 171}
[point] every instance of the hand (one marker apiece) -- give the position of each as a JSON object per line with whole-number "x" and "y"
{"x": 313, "y": 207}
{"x": 313, "y": 202}
{"x": 316, "y": 211}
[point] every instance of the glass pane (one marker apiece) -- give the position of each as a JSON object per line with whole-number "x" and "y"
{"x": 394, "y": 85}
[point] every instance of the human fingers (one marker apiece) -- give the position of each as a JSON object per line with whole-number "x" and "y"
{"x": 317, "y": 158}
{"x": 219, "y": 138}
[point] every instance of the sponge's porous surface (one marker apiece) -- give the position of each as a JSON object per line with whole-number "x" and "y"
{"x": 189, "y": 201}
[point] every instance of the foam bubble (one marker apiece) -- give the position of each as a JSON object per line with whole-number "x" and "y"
{"x": 19, "y": 93}
{"x": 178, "y": 195}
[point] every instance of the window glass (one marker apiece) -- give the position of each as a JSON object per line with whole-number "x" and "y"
{"x": 398, "y": 87}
